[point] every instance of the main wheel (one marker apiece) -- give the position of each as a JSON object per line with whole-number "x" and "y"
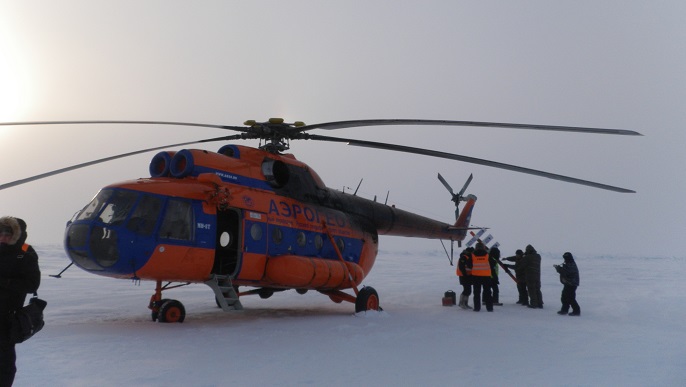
{"x": 171, "y": 311}
{"x": 367, "y": 299}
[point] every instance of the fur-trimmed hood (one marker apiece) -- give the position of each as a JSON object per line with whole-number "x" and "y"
{"x": 13, "y": 223}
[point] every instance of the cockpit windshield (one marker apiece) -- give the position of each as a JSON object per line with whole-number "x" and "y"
{"x": 95, "y": 206}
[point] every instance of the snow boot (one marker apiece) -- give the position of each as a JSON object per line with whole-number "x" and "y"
{"x": 575, "y": 313}
{"x": 466, "y": 302}
{"x": 463, "y": 301}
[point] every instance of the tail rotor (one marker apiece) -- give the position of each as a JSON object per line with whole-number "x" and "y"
{"x": 462, "y": 218}
{"x": 456, "y": 197}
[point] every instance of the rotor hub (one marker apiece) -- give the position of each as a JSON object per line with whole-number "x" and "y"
{"x": 275, "y": 132}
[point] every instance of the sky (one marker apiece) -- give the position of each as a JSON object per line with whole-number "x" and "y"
{"x": 99, "y": 332}
{"x": 611, "y": 65}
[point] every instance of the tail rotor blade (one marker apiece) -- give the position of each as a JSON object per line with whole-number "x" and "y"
{"x": 457, "y": 198}
{"x": 446, "y": 185}
{"x": 464, "y": 188}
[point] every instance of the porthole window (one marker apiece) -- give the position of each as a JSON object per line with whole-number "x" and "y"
{"x": 277, "y": 235}
{"x": 256, "y": 232}
{"x": 318, "y": 242}
{"x": 225, "y": 239}
{"x": 301, "y": 239}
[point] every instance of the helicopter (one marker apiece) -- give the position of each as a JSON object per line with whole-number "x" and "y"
{"x": 257, "y": 217}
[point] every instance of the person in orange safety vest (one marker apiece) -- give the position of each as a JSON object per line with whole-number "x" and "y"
{"x": 481, "y": 277}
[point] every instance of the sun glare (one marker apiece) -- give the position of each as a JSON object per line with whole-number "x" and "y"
{"x": 14, "y": 81}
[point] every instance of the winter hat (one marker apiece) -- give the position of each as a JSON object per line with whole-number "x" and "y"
{"x": 530, "y": 249}
{"x": 11, "y": 223}
{"x": 519, "y": 252}
{"x": 567, "y": 256}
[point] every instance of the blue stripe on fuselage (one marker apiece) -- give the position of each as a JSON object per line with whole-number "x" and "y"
{"x": 289, "y": 245}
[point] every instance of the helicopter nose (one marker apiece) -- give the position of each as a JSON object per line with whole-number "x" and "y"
{"x": 92, "y": 246}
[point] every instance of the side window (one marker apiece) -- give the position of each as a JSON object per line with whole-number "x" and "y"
{"x": 178, "y": 221}
{"x": 118, "y": 207}
{"x": 145, "y": 215}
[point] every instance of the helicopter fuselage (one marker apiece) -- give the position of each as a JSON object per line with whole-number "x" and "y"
{"x": 262, "y": 219}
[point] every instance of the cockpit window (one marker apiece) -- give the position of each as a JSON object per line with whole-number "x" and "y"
{"x": 178, "y": 220}
{"x": 95, "y": 206}
{"x": 118, "y": 207}
{"x": 145, "y": 215}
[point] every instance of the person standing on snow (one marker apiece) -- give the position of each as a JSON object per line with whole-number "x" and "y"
{"x": 493, "y": 257}
{"x": 481, "y": 277}
{"x": 519, "y": 274}
{"x": 465, "y": 275}
{"x": 19, "y": 275}
{"x": 569, "y": 277}
{"x": 532, "y": 271}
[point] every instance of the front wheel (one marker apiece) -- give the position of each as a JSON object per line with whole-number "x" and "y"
{"x": 171, "y": 311}
{"x": 367, "y": 299}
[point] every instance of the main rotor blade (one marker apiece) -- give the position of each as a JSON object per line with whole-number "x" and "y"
{"x": 77, "y": 166}
{"x": 236, "y": 128}
{"x": 467, "y": 159}
{"x": 358, "y": 123}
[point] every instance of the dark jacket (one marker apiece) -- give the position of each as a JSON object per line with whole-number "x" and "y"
{"x": 518, "y": 266}
{"x": 531, "y": 264}
{"x": 19, "y": 271}
{"x": 493, "y": 258}
{"x": 464, "y": 267}
{"x": 569, "y": 272}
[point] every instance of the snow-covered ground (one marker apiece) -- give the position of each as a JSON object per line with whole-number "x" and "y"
{"x": 631, "y": 332}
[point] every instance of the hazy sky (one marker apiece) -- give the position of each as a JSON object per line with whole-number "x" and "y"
{"x": 614, "y": 64}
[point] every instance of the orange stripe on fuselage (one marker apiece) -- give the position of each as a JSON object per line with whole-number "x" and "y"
{"x": 178, "y": 263}
{"x": 310, "y": 273}
{"x": 252, "y": 268}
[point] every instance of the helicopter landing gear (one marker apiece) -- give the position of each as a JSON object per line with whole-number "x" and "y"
{"x": 166, "y": 310}
{"x": 367, "y": 299}
{"x": 171, "y": 311}
{"x": 155, "y": 307}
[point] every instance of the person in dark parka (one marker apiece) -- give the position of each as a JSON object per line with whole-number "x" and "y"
{"x": 493, "y": 258}
{"x": 19, "y": 275}
{"x": 520, "y": 275}
{"x": 569, "y": 277}
{"x": 532, "y": 270}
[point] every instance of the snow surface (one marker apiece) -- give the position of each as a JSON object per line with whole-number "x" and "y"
{"x": 631, "y": 332}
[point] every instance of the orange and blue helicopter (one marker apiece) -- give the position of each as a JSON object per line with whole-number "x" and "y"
{"x": 256, "y": 217}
